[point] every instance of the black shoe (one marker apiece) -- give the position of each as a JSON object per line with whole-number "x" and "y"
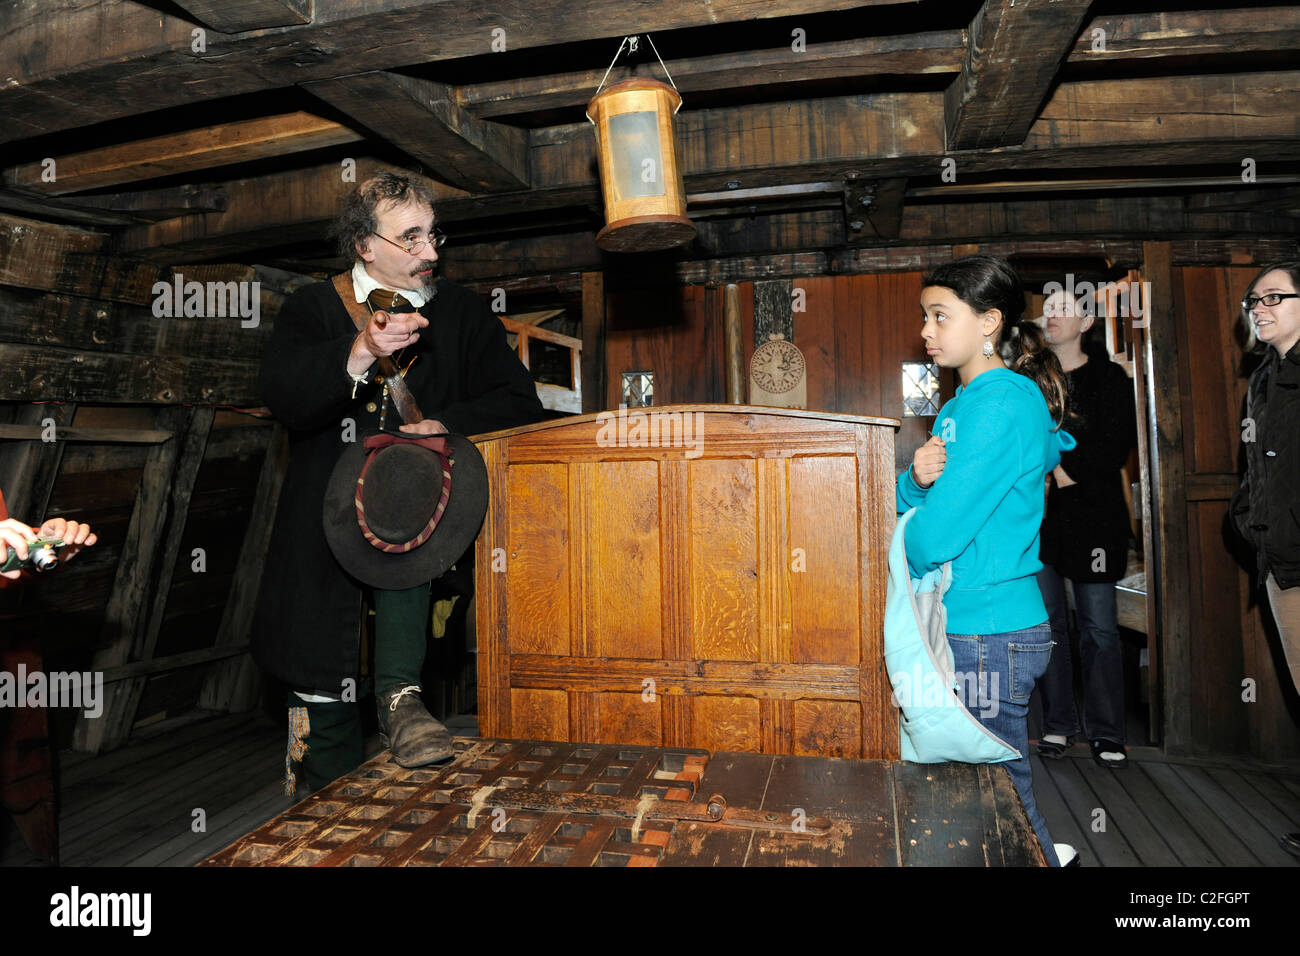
{"x": 407, "y": 728}
{"x": 1103, "y": 746}
{"x": 1051, "y": 749}
{"x": 1290, "y": 842}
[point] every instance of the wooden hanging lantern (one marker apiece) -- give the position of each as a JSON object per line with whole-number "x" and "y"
{"x": 645, "y": 200}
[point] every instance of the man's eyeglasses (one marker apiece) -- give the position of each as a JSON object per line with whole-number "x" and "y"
{"x": 413, "y": 246}
{"x": 1272, "y": 299}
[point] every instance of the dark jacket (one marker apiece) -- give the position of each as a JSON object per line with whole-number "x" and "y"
{"x": 1091, "y": 513}
{"x": 1266, "y": 508}
{"x": 466, "y": 376}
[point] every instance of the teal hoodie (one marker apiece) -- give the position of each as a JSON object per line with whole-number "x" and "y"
{"x": 983, "y": 513}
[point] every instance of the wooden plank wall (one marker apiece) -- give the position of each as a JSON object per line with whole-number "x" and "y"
{"x": 854, "y": 332}
{"x": 144, "y": 456}
{"x": 1229, "y": 638}
{"x": 98, "y": 484}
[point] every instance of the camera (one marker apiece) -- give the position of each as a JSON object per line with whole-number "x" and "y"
{"x": 42, "y": 555}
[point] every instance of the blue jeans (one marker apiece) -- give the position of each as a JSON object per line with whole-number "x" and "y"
{"x": 996, "y": 674}
{"x": 1100, "y": 655}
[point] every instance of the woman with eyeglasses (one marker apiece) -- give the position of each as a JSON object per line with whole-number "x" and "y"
{"x": 1266, "y": 509}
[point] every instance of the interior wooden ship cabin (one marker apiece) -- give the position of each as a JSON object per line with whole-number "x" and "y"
{"x": 668, "y": 637}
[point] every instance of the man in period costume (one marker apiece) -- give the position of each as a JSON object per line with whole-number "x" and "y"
{"x": 321, "y": 377}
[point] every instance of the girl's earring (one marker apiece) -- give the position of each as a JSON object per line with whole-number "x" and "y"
{"x": 988, "y": 349}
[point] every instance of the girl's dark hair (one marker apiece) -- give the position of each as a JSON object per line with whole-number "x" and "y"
{"x": 1292, "y": 268}
{"x": 988, "y": 282}
{"x": 357, "y": 219}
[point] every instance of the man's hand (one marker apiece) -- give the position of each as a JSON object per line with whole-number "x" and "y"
{"x": 1062, "y": 479}
{"x": 14, "y": 534}
{"x": 75, "y": 534}
{"x": 384, "y": 334}
{"x": 426, "y": 426}
{"x": 929, "y": 461}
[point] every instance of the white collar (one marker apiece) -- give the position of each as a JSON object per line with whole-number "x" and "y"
{"x": 363, "y": 283}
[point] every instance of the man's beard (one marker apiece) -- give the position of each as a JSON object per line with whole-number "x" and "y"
{"x": 427, "y": 284}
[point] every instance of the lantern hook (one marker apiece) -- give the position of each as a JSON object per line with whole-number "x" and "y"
{"x": 631, "y": 44}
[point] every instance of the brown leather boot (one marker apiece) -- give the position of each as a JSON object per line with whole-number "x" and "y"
{"x": 407, "y": 728}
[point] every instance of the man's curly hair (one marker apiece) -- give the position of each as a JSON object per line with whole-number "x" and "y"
{"x": 357, "y": 219}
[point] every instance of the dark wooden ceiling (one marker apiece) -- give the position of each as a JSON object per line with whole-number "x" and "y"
{"x": 1057, "y": 119}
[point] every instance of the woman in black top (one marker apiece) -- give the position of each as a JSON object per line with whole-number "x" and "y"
{"x": 1266, "y": 509}
{"x": 1085, "y": 539}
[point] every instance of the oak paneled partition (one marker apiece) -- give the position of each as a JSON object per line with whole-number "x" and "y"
{"x": 855, "y": 331}
{"x": 725, "y": 592}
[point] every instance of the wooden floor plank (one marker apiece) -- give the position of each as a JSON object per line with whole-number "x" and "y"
{"x": 193, "y": 785}
{"x": 132, "y": 806}
{"x": 1061, "y": 823}
{"x": 129, "y": 791}
{"x": 1290, "y": 783}
{"x": 1258, "y": 839}
{"x": 265, "y": 802}
{"x": 1125, "y": 816}
{"x": 1268, "y": 816}
{"x": 1111, "y": 847}
{"x": 174, "y": 823}
{"x": 119, "y": 777}
{"x": 74, "y": 771}
{"x": 1269, "y": 787}
{"x": 1225, "y": 844}
{"x": 1165, "y": 816}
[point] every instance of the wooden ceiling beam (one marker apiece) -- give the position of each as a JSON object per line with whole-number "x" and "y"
{"x": 1141, "y": 122}
{"x": 1187, "y": 33}
{"x": 1215, "y": 119}
{"x": 240, "y": 16}
{"x": 1006, "y": 187}
{"x": 1284, "y": 200}
{"x": 52, "y": 210}
{"x": 423, "y": 119}
{"x": 184, "y": 152}
{"x": 906, "y": 55}
{"x": 156, "y": 204}
{"x": 1227, "y": 110}
{"x": 1126, "y": 219}
{"x": 69, "y": 63}
{"x": 1014, "y": 53}
{"x": 39, "y": 255}
{"x": 278, "y": 209}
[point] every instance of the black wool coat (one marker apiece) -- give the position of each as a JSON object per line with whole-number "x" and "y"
{"x": 307, "y": 625}
{"x": 1091, "y": 513}
{"x": 1266, "y": 508}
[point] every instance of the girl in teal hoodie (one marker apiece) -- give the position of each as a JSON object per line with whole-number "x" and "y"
{"x": 978, "y": 487}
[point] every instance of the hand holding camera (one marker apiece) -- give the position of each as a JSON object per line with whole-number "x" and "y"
{"x": 26, "y": 548}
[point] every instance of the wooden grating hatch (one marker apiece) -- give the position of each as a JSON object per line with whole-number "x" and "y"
{"x": 572, "y": 804}
{"x": 547, "y": 803}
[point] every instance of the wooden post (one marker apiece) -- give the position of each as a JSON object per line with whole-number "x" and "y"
{"x": 1169, "y": 531}
{"x": 232, "y": 686}
{"x": 735, "y": 360}
{"x": 593, "y": 342}
{"x": 134, "y": 612}
{"x": 28, "y": 470}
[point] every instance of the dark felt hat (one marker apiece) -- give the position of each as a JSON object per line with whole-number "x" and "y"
{"x": 401, "y": 511}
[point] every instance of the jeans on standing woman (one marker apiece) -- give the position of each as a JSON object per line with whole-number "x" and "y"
{"x": 996, "y": 673}
{"x": 1100, "y": 656}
